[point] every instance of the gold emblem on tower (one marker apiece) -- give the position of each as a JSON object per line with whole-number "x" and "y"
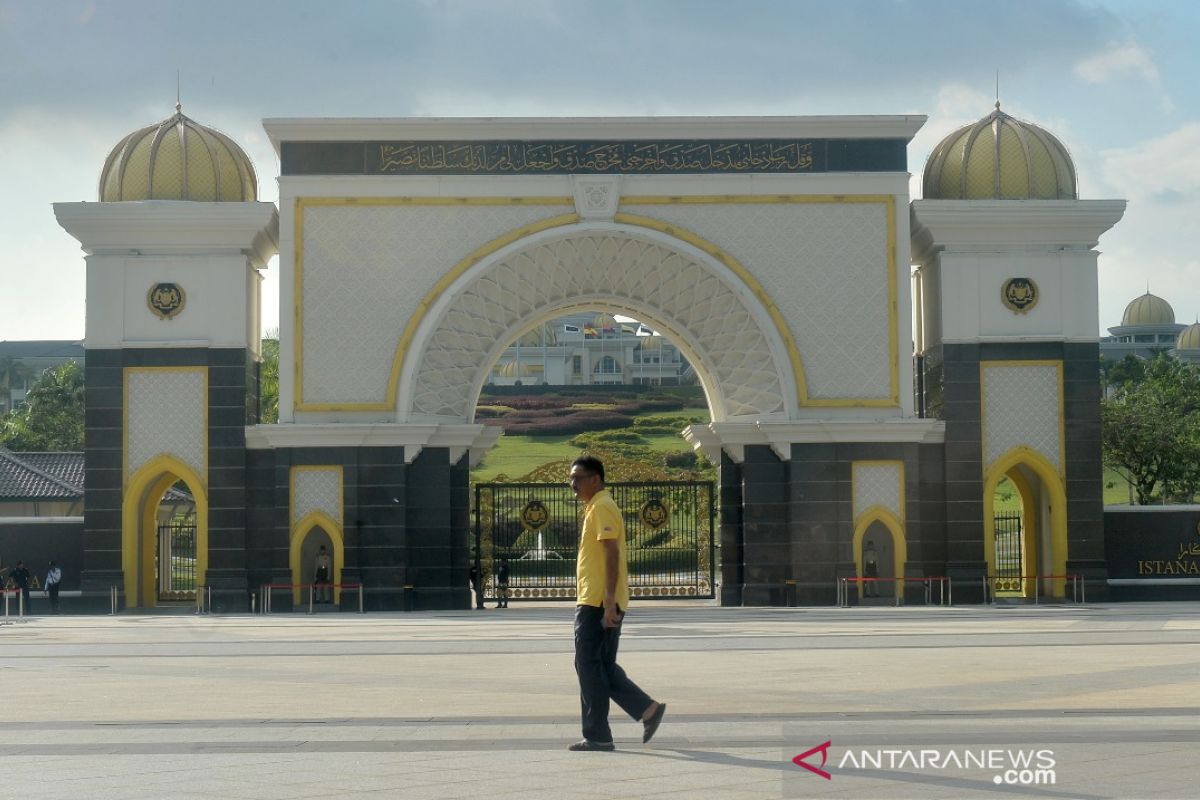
{"x": 166, "y": 300}
{"x": 1019, "y": 294}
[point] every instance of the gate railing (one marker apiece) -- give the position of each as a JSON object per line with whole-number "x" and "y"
{"x": 534, "y": 527}
{"x": 1009, "y": 553}
{"x": 176, "y": 561}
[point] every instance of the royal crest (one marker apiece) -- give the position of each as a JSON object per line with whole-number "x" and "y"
{"x": 534, "y": 515}
{"x": 166, "y": 300}
{"x": 655, "y": 513}
{"x": 1019, "y": 294}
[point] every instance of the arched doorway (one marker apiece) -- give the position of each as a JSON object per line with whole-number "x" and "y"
{"x": 162, "y": 562}
{"x": 1043, "y": 533}
{"x": 314, "y": 530}
{"x": 698, "y": 297}
{"x": 880, "y": 551}
{"x": 1016, "y": 513}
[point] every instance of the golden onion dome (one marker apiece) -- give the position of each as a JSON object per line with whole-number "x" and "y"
{"x": 1189, "y": 338}
{"x": 651, "y": 343}
{"x": 537, "y": 336}
{"x": 605, "y": 321}
{"x": 514, "y": 369}
{"x": 1000, "y": 158}
{"x": 1148, "y": 310}
{"x": 178, "y": 159}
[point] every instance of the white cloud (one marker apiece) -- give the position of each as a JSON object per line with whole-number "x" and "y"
{"x": 1117, "y": 59}
{"x": 1166, "y": 168}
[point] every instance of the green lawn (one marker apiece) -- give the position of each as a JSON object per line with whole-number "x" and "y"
{"x": 515, "y": 456}
{"x": 1119, "y": 494}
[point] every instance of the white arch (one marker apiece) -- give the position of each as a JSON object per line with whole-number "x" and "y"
{"x": 750, "y": 376}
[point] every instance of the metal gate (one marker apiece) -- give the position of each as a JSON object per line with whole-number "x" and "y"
{"x": 1010, "y": 553}
{"x": 670, "y": 544}
{"x": 176, "y": 562}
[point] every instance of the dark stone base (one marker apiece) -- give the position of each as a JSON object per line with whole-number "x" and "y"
{"x": 966, "y": 579}
{"x": 1095, "y": 580}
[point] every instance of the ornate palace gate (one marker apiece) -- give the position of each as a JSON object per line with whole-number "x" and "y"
{"x": 535, "y": 526}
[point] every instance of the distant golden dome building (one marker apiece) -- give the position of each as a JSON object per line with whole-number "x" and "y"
{"x": 1000, "y": 158}
{"x": 1147, "y": 327}
{"x": 178, "y": 159}
{"x": 1189, "y": 338}
{"x": 1148, "y": 309}
{"x": 1187, "y": 346}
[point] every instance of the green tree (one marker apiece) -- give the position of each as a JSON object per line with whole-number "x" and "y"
{"x": 1151, "y": 430}
{"x": 52, "y": 417}
{"x": 1129, "y": 369}
{"x": 268, "y": 379}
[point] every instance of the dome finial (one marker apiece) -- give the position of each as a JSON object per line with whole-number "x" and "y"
{"x": 997, "y": 88}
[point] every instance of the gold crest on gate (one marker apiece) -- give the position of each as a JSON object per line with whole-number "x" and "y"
{"x": 534, "y": 515}
{"x": 1019, "y": 294}
{"x": 166, "y": 300}
{"x": 655, "y": 513}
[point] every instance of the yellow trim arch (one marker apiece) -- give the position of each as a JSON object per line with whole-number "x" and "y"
{"x": 896, "y": 528}
{"x": 138, "y": 535}
{"x": 300, "y": 531}
{"x": 1054, "y": 492}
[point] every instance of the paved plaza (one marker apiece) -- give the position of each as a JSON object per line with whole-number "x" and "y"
{"x": 914, "y": 702}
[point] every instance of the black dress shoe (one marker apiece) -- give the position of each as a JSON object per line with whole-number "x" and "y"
{"x": 651, "y": 725}
{"x": 588, "y": 744}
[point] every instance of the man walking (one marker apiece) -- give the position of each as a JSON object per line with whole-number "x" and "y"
{"x": 602, "y": 597}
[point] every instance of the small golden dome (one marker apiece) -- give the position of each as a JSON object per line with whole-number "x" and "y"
{"x": 999, "y": 158}
{"x": 514, "y": 369}
{"x": 537, "y": 336}
{"x": 178, "y": 159}
{"x": 651, "y": 343}
{"x": 1148, "y": 310}
{"x": 1189, "y": 338}
{"x": 605, "y": 322}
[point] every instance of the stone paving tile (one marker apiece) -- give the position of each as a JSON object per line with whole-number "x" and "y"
{"x": 1113, "y": 689}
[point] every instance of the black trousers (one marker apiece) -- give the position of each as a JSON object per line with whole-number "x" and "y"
{"x": 600, "y": 678}
{"x": 52, "y": 592}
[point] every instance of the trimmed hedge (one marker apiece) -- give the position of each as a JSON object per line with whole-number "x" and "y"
{"x": 575, "y": 422}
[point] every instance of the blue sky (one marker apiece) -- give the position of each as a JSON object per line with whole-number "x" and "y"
{"x": 1118, "y": 81}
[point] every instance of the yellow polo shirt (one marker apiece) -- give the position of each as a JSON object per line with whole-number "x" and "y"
{"x": 601, "y": 520}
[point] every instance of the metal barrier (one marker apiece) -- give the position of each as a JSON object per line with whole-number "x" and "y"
{"x": 945, "y": 588}
{"x": 203, "y": 599}
{"x": 265, "y": 593}
{"x": 1078, "y": 586}
{"x": 20, "y": 604}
